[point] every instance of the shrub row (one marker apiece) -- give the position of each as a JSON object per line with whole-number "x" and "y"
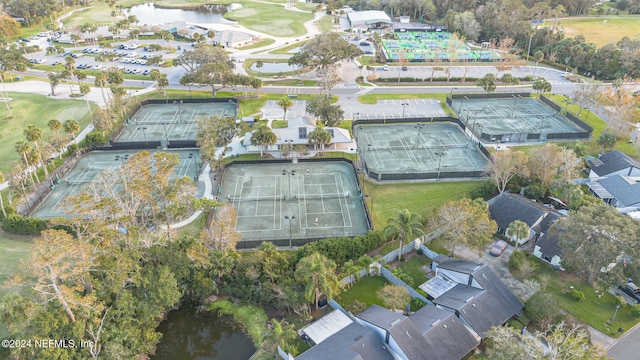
{"x": 18, "y": 224}
{"x": 342, "y": 249}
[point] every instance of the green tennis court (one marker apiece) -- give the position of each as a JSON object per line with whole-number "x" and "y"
{"x": 175, "y": 120}
{"x": 513, "y": 119}
{"x": 307, "y": 201}
{"x": 432, "y": 46}
{"x": 92, "y": 164}
{"x": 419, "y": 152}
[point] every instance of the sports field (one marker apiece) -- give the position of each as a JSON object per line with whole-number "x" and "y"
{"x": 512, "y": 119}
{"x": 33, "y": 109}
{"x": 92, "y": 164}
{"x": 432, "y": 46}
{"x": 310, "y": 200}
{"x": 172, "y": 121}
{"x": 419, "y": 151}
{"x": 602, "y": 30}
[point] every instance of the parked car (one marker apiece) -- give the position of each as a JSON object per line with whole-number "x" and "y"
{"x": 632, "y": 290}
{"x": 385, "y": 68}
{"x": 146, "y": 72}
{"x": 404, "y": 68}
{"x": 364, "y": 43}
{"x": 498, "y": 248}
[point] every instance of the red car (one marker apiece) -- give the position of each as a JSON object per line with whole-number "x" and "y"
{"x": 498, "y": 248}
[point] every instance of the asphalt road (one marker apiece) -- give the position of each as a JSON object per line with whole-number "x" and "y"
{"x": 627, "y": 346}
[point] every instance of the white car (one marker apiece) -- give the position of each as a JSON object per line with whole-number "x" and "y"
{"x": 97, "y": 67}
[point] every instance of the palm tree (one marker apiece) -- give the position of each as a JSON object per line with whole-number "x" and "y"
{"x": 85, "y": 90}
{"x": 351, "y": 269}
{"x": 162, "y": 84}
{"x": 23, "y": 148}
{"x": 71, "y": 127}
{"x": 259, "y": 65}
{"x": 211, "y": 34}
{"x": 317, "y": 275}
{"x": 285, "y": 103}
{"x": 405, "y": 225}
{"x": 319, "y": 136}
{"x": 263, "y": 136}
{"x": 607, "y": 141}
{"x": 518, "y": 230}
{"x": 55, "y": 126}
{"x": 101, "y": 82}
{"x": 365, "y": 261}
{"x": 2, "y": 179}
{"x": 33, "y": 134}
{"x": 282, "y": 334}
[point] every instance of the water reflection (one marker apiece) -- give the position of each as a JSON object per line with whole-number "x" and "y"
{"x": 187, "y": 336}
{"x": 149, "y": 14}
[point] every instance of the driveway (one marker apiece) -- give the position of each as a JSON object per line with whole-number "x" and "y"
{"x": 499, "y": 265}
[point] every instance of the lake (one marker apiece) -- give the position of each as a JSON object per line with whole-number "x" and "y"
{"x": 148, "y": 14}
{"x": 191, "y": 336}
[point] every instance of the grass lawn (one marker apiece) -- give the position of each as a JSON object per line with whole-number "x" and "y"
{"x": 31, "y": 109}
{"x": 259, "y": 44}
{"x": 285, "y": 49}
{"x": 364, "y": 291}
{"x": 596, "y": 310}
{"x": 195, "y": 227}
{"x": 13, "y": 249}
{"x": 599, "y": 126}
{"x": 602, "y": 30}
{"x": 374, "y": 98}
{"x": 326, "y": 23}
{"x": 272, "y": 19}
{"x": 422, "y": 198}
{"x": 96, "y": 14}
{"x": 249, "y": 63}
{"x": 291, "y": 82}
{"x": 413, "y": 267}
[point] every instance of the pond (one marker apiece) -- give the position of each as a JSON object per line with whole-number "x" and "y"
{"x": 271, "y": 67}
{"x": 191, "y": 336}
{"x": 149, "y": 14}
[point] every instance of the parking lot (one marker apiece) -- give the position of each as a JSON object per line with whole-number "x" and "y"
{"x": 128, "y": 57}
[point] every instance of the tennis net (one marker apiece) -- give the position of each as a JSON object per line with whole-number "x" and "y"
{"x": 322, "y": 196}
{"x": 256, "y": 198}
{"x": 77, "y": 182}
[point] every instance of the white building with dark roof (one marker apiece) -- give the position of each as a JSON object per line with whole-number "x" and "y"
{"x": 369, "y": 20}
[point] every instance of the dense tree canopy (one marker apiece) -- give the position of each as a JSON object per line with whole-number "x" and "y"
{"x": 594, "y": 238}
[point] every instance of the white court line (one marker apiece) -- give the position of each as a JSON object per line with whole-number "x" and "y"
{"x": 409, "y": 153}
{"x": 346, "y": 205}
{"x": 237, "y": 207}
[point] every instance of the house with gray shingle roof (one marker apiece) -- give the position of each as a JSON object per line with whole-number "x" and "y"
{"x": 354, "y": 342}
{"x": 430, "y": 333}
{"x": 479, "y": 298}
{"x": 613, "y": 163}
{"x": 505, "y": 208}
{"x": 617, "y": 190}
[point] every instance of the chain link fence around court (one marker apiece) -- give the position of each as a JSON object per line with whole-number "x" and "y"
{"x": 291, "y": 204}
{"x": 176, "y": 132}
{"x": 561, "y": 131}
{"x": 417, "y": 152}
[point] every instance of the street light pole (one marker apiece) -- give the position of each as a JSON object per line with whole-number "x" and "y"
{"x": 462, "y": 103}
{"x": 451, "y": 93}
{"x": 144, "y": 133}
{"x": 439, "y": 155}
{"x": 404, "y": 106}
{"x": 290, "y": 218}
{"x": 288, "y": 172}
{"x": 566, "y": 104}
{"x": 195, "y": 165}
{"x": 515, "y": 99}
{"x": 529, "y": 48}
{"x": 419, "y": 126}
